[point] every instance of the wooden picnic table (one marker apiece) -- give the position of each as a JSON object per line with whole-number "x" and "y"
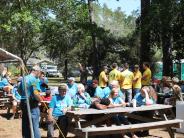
{"x": 86, "y": 128}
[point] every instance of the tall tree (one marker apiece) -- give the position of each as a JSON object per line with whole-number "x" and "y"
{"x": 145, "y": 31}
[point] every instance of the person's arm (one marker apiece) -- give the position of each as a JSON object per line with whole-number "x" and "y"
{"x": 100, "y": 106}
{"x": 148, "y": 101}
{"x": 80, "y": 67}
{"x": 37, "y": 96}
{"x": 104, "y": 76}
{"x": 135, "y": 78}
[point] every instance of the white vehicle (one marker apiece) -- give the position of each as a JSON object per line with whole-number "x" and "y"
{"x": 52, "y": 71}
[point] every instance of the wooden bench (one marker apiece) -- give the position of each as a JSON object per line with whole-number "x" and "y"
{"x": 92, "y": 131}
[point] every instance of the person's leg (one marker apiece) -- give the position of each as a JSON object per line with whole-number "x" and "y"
{"x": 136, "y": 91}
{"x": 124, "y": 94}
{"x": 115, "y": 119}
{"x": 63, "y": 124}
{"x": 129, "y": 95}
{"x": 50, "y": 130}
{"x": 35, "y": 112}
{"x": 25, "y": 122}
{"x": 14, "y": 109}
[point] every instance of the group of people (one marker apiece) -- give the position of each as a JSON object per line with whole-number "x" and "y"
{"x": 112, "y": 89}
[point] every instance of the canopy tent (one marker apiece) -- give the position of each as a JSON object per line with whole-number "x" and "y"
{"x": 5, "y": 57}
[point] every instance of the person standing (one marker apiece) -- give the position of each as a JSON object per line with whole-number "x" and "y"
{"x": 114, "y": 74}
{"x": 103, "y": 79}
{"x": 72, "y": 87}
{"x": 146, "y": 77}
{"x": 126, "y": 80}
{"x": 43, "y": 82}
{"x": 31, "y": 83}
{"x": 84, "y": 74}
{"x": 137, "y": 80}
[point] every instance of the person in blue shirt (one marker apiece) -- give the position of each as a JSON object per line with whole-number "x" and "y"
{"x": 107, "y": 90}
{"x": 43, "y": 82}
{"x": 72, "y": 87}
{"x": 31, "y": 83}
{"x": 117, "y": 101}
{"x": 58, "y": 106}
{"x": 16, "y": 97}
{"x": 82, "y": 99}
{"x": 147, "y": 96}
{"x": 5, "y": 84}
{"x": 97, "y": 89}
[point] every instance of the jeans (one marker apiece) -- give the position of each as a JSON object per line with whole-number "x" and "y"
{"x": 35, "y": 114}
{"x": 62, "y": 122}
{"x": 136, "y": 91}
{"x": 128, "y": 95}
{"x": 120, "y": 119}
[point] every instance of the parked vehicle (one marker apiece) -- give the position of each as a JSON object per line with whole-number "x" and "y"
{"x": 52, "y": 71}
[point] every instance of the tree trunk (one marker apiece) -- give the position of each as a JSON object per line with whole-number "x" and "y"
{"x": 166, "y": 36}
{"x": 145, "y": 32}
{"x": 95, "y": 59}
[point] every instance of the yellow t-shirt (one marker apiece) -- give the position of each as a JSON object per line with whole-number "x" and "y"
{"x": 102, "y": 82}
{"x": 147, "y": 80}
{"x": 138, "y": 75}
{"x": 114, "y": 75}
{"x": 126, "y": 79}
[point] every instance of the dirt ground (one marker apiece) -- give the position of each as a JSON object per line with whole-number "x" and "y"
{"x": 12, "y": 129}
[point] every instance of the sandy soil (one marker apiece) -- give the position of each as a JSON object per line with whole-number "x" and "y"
{"x": 12, "y": 129}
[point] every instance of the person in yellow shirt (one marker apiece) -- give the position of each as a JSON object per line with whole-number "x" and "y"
{"x": 126, "y": 80}
{"x": 137, "y": 80}
{"x": 103, "y": 79}
{"x": 146, "y": 77}
{"x": 114, "y": 74}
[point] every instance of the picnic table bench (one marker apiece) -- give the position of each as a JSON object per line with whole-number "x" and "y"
{"x": 89, "y": 128}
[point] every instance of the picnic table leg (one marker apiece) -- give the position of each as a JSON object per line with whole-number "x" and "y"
{"x": 86, "y": 135}
{"x": 169, "y": 129}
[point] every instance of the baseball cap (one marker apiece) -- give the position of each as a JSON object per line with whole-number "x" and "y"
{"x": 71, "y": 78}
{"x": 62, "y": 86}
{"x": 37, "y": 68}
{"x": 136, "y": 66}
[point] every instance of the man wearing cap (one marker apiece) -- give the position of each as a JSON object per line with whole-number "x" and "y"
{"x": 72, "y": 87}
{"x": 58, "y": 106}
{"x": 31, "y": 83}
{"x": 103, "y": 79}
{"x": 137, "y": 80}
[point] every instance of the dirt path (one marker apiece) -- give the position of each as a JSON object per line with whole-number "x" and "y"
{"x": 12, "y": 129}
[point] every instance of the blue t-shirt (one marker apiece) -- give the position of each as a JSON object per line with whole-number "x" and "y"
{"x": 32, "y": 84}
{"x": 72, "y": 89}
{"x": 108, "y": 90}
{"x": 140, "y": 100}
{"x": 4, "y": 82}
{"x": 99, "y": 92}
{"x": 79, "y": 101}
{"x": 15, "y": 93}
{"x": 41, "y": 82}
{"x": 117, "y": 100}
{"x": 58, "y": 103}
